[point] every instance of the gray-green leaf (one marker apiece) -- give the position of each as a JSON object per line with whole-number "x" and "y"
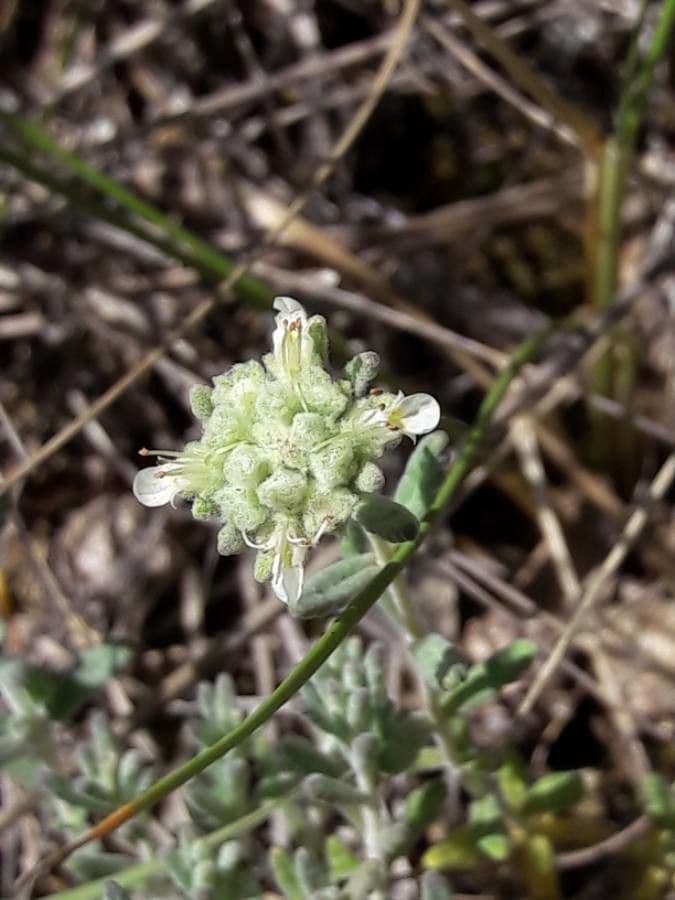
{"x": 331, "y": 590}
{"x": 423, "y": 474}
{"x": 387, "y": 519}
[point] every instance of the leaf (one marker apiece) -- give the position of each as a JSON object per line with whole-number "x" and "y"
{"x": 341, "y": 861}
{"x": 434, "y": 887}
{"x": 299, "y": 754}
{"x": 94, "y": 668}
{"x": 658, "y": 800}
{"x": 394, "y": 839}
{"x": 483, "y": 679}
{"x": 361, "y": 370}
{"x": 485, "y": 815}
{"x": 366, "y": 879}
{"x": 332, "y": 589}
{"x": 496, "y": 847}
{"x": 284, "y": 874}
{"x": 325, "y": 789}
{"x": 309, "y": 871}
{"x": 554, "y": 792}
{"x": 456, "y": 853}
{"x": 112, "y": 891}
{"x": 438, "y": 661}
{"x": 512, "y": 784}
{"x": 541, "y": 880}
{"x": 423, "y": 474}
{"x": 424, "y": 804}
{"x": 389, "y": 520}
{"x": 354, "y": 540}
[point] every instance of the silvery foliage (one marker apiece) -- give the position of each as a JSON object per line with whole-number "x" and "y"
{"x": 359, "y": 740}
{"x": 287, "y": 453}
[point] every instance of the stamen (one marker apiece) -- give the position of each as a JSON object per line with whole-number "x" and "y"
{"x": 168, "y": 453}
{"x": 253, "y": 545}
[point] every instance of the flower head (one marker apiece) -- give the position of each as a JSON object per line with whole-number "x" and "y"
{"x": 286, "y": 451}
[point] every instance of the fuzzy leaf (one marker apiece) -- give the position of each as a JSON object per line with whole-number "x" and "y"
{"x": 394, "y": 839}
{"x": 330, "y": 790}
{"x": 112, "y": 891}
{"x": 512, "y": 784}
{"x": 457, "y": 852}
{"x": 658, "y": 800}
{"x": 434, "y": 887}
{"x": 496, "y": 847}
{"x": 438, "y": 661}
{"x": 541, "y": 880}
{"x": 301, "y": 755}
{"x": 487, "y": 677}
{"x": 94, "y": 668}
{"x": 309, "y": 871}
{"x": 332, "y": 589}
{"x": 361, "y": 370}
{"x": 485, "y": 815}
{"x": 423, "y": 474}
{"x": 387, "y": 519}
{"x": 424, "y": 804}
{"x": 554, "y": 792}
{"x": 284, "y": 874}
{"x": 341, "y": 861}
{"x": 366, "y": 879}
{"x": 354, "y": 540}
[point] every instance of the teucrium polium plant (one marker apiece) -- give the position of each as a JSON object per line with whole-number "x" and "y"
{"x": 288, "y": 453}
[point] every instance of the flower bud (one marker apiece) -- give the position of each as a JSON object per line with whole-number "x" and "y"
{"x": 284, "y": 490}
{"x": 200, "y": 402}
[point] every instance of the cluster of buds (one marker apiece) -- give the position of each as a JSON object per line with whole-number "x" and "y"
{"x": 286, "y": 451}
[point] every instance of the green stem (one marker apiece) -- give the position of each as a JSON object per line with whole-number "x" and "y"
{"x": 403, "y": 613}
{"x": 612, "y": 177}
{"x": 639, "y": 76}
{"x": 136, "y": 875}
{"x": 618, "y": 152}
{"x": 340, "y": 629}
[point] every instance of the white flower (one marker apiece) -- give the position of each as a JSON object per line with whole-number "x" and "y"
{"x": 288, "y": 569}
{"x": 412, "y": 416}
{"x": 186, "y": 473}
{"x": 292, "y": 344}
{"x": 288, "y": 566}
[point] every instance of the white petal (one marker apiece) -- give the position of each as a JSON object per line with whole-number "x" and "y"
{"x": 287, "y": 584}
{"x": 287, "y": 580}
{"x": 151, "y": 488}
{"x": 420, "y": 413}
{"x": 287, "y": 306}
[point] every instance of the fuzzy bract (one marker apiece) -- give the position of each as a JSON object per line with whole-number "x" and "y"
{"x": 286, "y": 451}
